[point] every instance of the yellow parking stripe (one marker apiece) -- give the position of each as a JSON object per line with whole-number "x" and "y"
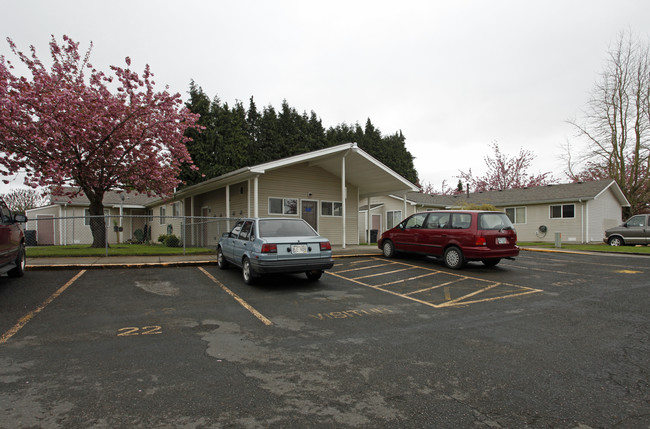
{"x": 381, "y": 274}
{"x": 447, "y": 286}
{"x": 29, "y": 316}
{"x": 437, "y": 287}
{"x": 410, "y": 278}
{"x": 363, "y": 268}
{"x": 243, "y": 303}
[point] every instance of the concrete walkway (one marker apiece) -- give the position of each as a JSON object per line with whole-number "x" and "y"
{"x": 96, "y": 262}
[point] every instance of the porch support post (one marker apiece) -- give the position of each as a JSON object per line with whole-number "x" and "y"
{"x": 248, "y": 186}
{"x": 343, "y": 195}
{"x": 256, "y": 202}
{"x": 192, "y": 228}
{"x": 368, "y": 223}
{"x": 228, "y": 207}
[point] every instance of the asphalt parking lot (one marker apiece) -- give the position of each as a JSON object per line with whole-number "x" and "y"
{"x": 548, "y": 340}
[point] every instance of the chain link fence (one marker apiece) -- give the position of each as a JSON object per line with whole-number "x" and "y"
{"x": 173, "y": 231}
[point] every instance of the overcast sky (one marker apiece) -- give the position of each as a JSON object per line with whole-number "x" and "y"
{"x": 453, "y": 76}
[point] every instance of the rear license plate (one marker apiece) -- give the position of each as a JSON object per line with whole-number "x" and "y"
{"x": 502, "y": 240}
{"x": 299, "y": 248}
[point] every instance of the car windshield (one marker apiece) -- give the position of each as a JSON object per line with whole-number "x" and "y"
{"x": 495, "y": 221}
{"x": 285, "y": 228}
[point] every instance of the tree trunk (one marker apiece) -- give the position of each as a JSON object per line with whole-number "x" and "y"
{"x": 97, "y": 222}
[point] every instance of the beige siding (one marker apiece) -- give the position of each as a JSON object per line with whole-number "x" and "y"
{"x": 604, "y": 213}
{"x": 571, "y": 229}
{"x": 388, "y": 204}
{"x": 304, "y": 182}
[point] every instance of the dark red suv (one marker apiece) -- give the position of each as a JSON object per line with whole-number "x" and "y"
{"x": 454, "y": 236}
{"x": 12, "y": 243}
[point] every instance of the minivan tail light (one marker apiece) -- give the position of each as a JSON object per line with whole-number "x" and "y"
{"x": 269, "y": 248}
{"x": 480, "y": 241}
{"x": 325, "y": 245}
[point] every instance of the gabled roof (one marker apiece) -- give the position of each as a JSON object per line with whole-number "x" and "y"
{"x": 111, "y": 199}
{"x": 569, "y": 192}
{"x": 361, "y": 170}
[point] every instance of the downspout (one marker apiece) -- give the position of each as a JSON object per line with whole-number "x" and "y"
{"x": 586, "y": 217}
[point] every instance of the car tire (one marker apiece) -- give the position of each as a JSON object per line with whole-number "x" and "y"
{"x": 248, "y": 273}
{"x": 453, "y": 258}
{"x": 221, "y": 260}
{"x": 21, "y": 262}
{"x": 388, "y": 249}
{"x": 616, "y": 241}
{"x": 314, "y": 275}
{"x": 491, "y": 262}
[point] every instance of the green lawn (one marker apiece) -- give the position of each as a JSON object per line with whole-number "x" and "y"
{"x": 589, "y": 247}
{"x": 113, "y": 250}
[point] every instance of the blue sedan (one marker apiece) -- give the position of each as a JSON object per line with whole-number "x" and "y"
{"x": 274, "y": 245}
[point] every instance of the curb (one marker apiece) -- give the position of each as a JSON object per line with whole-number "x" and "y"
{"x": 123, "y": 265}
{"x": 172, "y": 264}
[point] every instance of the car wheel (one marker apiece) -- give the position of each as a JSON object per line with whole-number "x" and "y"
{"x": 21, "y": 262}
{"x": 314, "y": 275}
{"x": 247, "y": 272}
{"x": 221, "y": 260}
{"x": 453, "y": 258}
{"x": 616, "y": 241}
{"x": 491, "y": 262}
{"x": 388, "y": 248}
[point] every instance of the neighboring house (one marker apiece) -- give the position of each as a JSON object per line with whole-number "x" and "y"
{"x": 76, "y": 228}
{"x": 580, "y": 212}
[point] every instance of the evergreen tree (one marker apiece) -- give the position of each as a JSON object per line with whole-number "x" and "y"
{"x": 236, "y": 137}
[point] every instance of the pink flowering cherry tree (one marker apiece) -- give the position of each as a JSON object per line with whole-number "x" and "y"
{"x": 74, "y": 125}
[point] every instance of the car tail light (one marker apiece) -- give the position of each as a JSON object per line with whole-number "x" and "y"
{"x": 325, "y": 245}
{"x": 480, "y": 241}
{"x": 269, "y": 248}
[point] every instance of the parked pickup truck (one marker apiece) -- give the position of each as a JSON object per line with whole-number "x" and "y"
{"x": 12, "y": 242}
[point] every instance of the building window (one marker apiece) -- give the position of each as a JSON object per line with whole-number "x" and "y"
{"x": 329, "y": 208}
{"x": 287, "y": 206}
{"x": 393, "y": 217}
{"x": 176, "y": 209}
{"x": 162, "y": 214}
{"x": 565, "y": 211}
{"x": 516, "y": 214}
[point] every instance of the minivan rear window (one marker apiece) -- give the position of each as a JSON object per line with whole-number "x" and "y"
{"x": 495, "y": 221}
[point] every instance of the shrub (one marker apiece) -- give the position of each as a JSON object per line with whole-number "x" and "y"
{"x": 172, "y": 241}
{"x": 162, "y": 238}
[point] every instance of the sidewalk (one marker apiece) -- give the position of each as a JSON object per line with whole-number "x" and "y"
{"x": 96, "y": 262}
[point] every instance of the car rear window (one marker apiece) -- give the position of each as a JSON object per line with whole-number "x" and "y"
{"x": 461, "y": 220}
{"x": 494, "y": 221}
{"x": 285, "y": 228}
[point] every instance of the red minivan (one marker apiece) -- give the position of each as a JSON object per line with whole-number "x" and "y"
{"x": 455, "y": 236}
